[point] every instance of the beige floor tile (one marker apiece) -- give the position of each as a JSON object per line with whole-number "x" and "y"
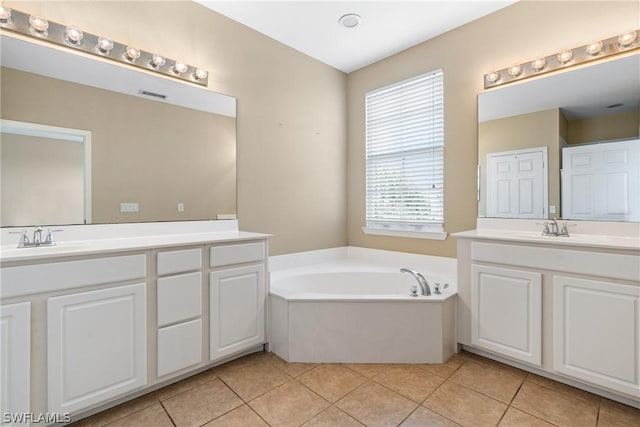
{"x": 293, "y": 369}
{"x": 201, "y": 404}
{"x": 369, "y": 370}
{"x": 501, "y": 384}
{"x": 153, "y": 416}
{"x": 332, "y": 417}
{"x": 423, "y": 417}
{"x": 241, "y": 416}
{"x": 563, "y": 388}
{"x": 375, "y": 405}
{"x": 184, "y": 385}
{"x": 410, "y": 381}
{"x": 253, "y": 378}
{"x": 555, "y": 407}
{"x": 291, "y": 404}
{"x": 517, "y": 418}
{"x": 465, "y": 406}
{"x": 120, "y": 411}
{"x": 447, "y": 368}
{"x": 331, "y": 381}
{"x": 614, "y": 414}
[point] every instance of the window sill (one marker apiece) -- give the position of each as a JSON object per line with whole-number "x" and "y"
{"x": 431, "y": 235}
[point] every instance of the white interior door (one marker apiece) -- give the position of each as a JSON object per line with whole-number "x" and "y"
{"x": 517, "y": 184}
{"x": 602, "y": 181}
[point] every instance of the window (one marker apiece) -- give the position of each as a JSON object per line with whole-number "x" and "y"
{"x": 405, "y": 144}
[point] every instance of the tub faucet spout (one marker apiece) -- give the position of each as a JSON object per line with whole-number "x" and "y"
{"x": 424, "y": 285}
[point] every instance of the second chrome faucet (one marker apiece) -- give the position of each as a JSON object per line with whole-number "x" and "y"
{"x": 424, "y": 285}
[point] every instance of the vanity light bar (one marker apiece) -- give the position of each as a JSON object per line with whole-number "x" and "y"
{"x": 597, "y": 49}
{"x": 74, "y": 38}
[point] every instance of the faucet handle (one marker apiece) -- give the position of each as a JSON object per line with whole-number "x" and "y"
{"x": 24, "y": 239}
{"x": 49, "y": 239}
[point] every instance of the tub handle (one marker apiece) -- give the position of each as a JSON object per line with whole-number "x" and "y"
{"x": 414, "y": 291}
{"x": 440, "y": 288}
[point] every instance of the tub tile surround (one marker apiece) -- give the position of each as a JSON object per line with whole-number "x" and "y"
{"x": 386, "y": 396}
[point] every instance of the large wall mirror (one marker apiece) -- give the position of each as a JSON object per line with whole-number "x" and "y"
{"x": 566, "y": 145}
{"x": 82, "y": 143}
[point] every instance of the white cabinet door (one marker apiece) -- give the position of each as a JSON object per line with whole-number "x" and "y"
{"x": 506, "y": 312}
{"x": 96, "y": 346}
{"x": 15, "y": 360}
{"x": 596, "y": 332}
{"x": 237, "y": 310}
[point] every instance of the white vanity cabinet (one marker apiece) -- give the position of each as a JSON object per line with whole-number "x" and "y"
{"x": 567, "y": 311}
{"x": 596, "y": 331}
{"x": 15, "y": 359}
{"x": 179, "y": 310}
{"x": 237, "y": 298}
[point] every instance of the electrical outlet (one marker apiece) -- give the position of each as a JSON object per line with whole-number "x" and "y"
{"x": 128, "y": 207}
{"x": 180, "y": 207}
{"x": 552, "y": 209}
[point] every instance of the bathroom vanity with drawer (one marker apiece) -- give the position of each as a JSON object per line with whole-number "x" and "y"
{"x": 93, "y": 323}
{"x": 566, "y": 308}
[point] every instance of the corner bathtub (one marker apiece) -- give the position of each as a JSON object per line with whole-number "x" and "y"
{"x": 357, "y": 310}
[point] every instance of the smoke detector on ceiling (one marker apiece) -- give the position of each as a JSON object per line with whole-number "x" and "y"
{"x": 350, "y": 20}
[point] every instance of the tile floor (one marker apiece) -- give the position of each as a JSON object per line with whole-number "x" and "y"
{"x": 468, "y": 390}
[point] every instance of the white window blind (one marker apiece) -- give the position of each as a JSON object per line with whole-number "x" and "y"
{"x": 404, "y": 155}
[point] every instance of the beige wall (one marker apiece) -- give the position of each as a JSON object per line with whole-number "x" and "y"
{"x": 291, "y": 142}
{"x": 539, "y": 129}
{"x": 143, "y": 151}
{"x": 604, "y": 128}
{"x": 518, "y": 33}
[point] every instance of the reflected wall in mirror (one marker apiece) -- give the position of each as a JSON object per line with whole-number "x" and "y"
{"x": 596, "y": 107}
{"x": 144, "y": 151}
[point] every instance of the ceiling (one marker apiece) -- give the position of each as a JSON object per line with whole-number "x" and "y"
{"x": 386, "y": 27}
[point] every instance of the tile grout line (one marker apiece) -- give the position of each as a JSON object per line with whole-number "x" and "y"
{"x": 168, "y": 414}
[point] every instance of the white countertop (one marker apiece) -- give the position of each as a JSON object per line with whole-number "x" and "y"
{"x": 581, "y": 240}
{"x": 10, "y": 253}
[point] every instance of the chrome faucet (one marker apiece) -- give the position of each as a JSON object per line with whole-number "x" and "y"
{"x": 424, "y": 285}
{"x": 37, "y": 238}
{"x": 552, "y": 228}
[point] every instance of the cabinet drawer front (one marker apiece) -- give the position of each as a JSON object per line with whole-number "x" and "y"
{"x": 617, "y": 266}
{"x": 32, "y": 279}
{"x": 179, "y": 346}
{"x": 179, "y": 298}
{"x": 236, "y": 254}
{"x": 96, "y": 346}
{"x": 179, "y": 261}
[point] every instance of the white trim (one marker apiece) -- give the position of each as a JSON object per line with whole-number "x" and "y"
{"x": 432, "y": 235}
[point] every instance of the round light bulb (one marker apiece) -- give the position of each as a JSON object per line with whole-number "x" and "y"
{"x": 514, "y": 71}
{"x": 594, "y": 48}
{"x": 493, "y": 77}
{"x": 157, "y": 61}
{"x": 73, "y": 35}
{"x": 200, "y": 74}
{"x": 565, "y": 56}
{"x": 104, "y": 45}
{"x": 539, "y": 64}
{"x": 180, "y": 67}
{"x": 39, "y": 25}
{"x": 627, "y": 39}
{"x": 5, "y": 14}
{"x": 132, "y": 53}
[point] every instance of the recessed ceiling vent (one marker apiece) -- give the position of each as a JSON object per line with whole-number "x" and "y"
{"x": 152, "y": 94}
